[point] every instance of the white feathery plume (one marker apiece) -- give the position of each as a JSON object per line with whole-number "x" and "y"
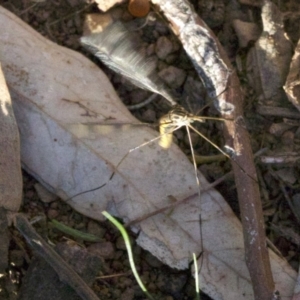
{"x": 120, "y": 50}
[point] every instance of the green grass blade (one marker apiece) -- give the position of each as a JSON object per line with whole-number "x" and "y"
{"x": 75, "y": 233}
{"x": 129, "y": 251}
{"x": 196, "y": 277}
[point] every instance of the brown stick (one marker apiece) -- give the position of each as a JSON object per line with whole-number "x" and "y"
{"x": 216, "y": 72}
{"x": 63, "y": 270}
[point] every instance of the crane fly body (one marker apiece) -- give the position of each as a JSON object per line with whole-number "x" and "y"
{"x": 173, "y": 120}
{"x": 177, "y": 118}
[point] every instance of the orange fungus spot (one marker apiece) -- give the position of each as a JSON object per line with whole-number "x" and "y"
{"x": 139, "y": 8}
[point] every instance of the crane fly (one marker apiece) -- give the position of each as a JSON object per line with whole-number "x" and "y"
{"x": 122, "y": 51}
{"x": 119, "y": 50}
{"x": 175, "y": 119}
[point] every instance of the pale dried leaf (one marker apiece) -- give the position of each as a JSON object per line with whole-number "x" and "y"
{"x": 60, "y": 99}
{"x": 268, "y": 61}
{"x": 107, "y": 4}
{"x": 96, "y": 23}
{"x": 4, "y": 241}
{"x": 297, "y": 288}
{"x": 10, "y": 169}
{"x": 10, "y": 162}
{"x": 292, "y": 85}
{"x": 246, "y": 32}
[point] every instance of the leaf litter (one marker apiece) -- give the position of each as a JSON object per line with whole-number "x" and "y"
{"x": 88, "y": 177}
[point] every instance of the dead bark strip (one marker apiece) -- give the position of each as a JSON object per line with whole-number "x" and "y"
{"x": 65, "y": 273}
{"x": 221, "y": 81}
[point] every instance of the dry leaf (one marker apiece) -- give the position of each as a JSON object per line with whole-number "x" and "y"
{"x": 107, "y": 4}
{"x": 268, "y": 61}
{"x": 292, "y": 83}
{"x": 10, "y": 162}
{"x": 246, "y": 32}
{"x": 61, "y": 101}
{"x": 10, "y": 169}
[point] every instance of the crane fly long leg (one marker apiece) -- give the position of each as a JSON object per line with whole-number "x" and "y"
{"x": 193, "y": 157}
{"x": 209, "y": 141}
{"x": 224, "y": 153}
{"x": 198, "y": 190}
{"x": 176, "y": 118}
{"x": 170, "y": 131}
{"x": 169, "y": 123}
{"x": 140, "y": 146}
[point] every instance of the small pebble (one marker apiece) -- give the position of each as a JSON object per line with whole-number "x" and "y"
{"x": 194, "y": 92}
{"x": 246, "y": 32}
{"x": 161, "y": 65}
{"x": 94, "y": 228}
{"x": 149, "y": 115}
{"x": 126, "y": 16}
{"x": 288, "y": 138}
{"x": 287, "y": 175}
{"x": 118, "y": 254}
{"x": 278, "y": 129}
{"x": 44, "y": 195}
{"x": 117, "y": 265}
{"x": 128, "y": 294}
{"x": 54, "y": 205}
{"x": 151, "y": 286}
{"x": 173, "y": 76}
{"x": 138, "y": 96}
{"x": 163, "y": 47}
{"x": 152, "y": 260}
{"x": 150, "y": 49}
{"x": 44, "y": 15}
{"x": 161, "y": 28}
{"x": 171, "y": 58}
{"x": 171, "y": 284}
{"x": 120, "y": 244}
{"x": 103, "y": 249}
{"x": 116, "y": 13}
{"x": 80, "y": 226}
{"x": 52, "y": 213}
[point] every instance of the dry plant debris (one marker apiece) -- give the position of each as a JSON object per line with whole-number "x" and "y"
{"x": 278, "y": 170}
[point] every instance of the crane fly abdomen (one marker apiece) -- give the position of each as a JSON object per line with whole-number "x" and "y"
{"x": 166, "y": 129}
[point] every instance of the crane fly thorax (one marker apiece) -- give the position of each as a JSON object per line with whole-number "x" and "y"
{"x": 176, "y": 118}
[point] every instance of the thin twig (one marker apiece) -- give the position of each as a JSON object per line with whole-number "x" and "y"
{"x": 215, "y": 70}
{"x": 143, "y": 103}
{"x": 63, "y": 270}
